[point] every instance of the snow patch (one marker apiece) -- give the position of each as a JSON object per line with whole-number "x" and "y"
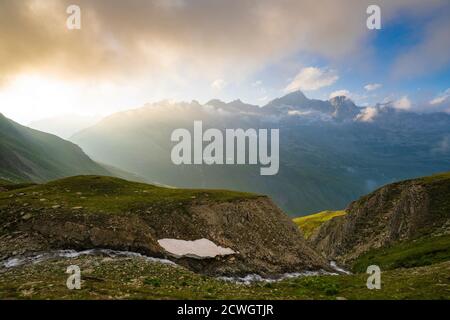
{"x": 197, "y": 249}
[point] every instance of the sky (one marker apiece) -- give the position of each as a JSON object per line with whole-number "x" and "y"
{"x": 129, "y": 53}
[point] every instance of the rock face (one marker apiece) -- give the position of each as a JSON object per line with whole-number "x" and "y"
{"x": 264, "y": 239}
{"x": 397, "y": 212}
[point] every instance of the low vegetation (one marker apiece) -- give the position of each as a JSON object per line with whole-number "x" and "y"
{"x": 135, "y": 278}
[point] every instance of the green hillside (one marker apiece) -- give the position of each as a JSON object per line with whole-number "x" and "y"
{"x": 308, "y": 224}
{"x": 31, "y": 155}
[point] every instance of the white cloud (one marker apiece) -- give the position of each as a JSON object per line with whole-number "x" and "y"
{"x": 373, "y": 86}
{"x": 218, "y": 84}
{"x": 402, "y": 104}
{"x": 311, "y": 78}
{"x": 299, "y": 113}
{"x": 340, "y": 93}
{"x": 257, "y": 83}
{"x": 441, "y": 98}
{"x": 367, "y": 114}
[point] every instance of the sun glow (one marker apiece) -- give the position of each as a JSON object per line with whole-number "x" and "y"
{"x": 30, "y": 97}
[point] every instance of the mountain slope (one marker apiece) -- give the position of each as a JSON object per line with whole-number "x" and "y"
{"x": 31, "y": 155}
{"x": 391, "y": 217}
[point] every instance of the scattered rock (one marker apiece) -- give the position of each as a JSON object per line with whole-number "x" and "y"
{"x": 27, "y": 216}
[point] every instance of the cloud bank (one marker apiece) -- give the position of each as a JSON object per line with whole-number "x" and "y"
{"x": 218, "y": 38}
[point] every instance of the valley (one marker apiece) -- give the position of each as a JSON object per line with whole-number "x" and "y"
{"x": 117, "y": 223}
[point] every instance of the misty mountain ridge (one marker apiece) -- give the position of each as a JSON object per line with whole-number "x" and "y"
{"x": 331, "y": 152}
{"x": 338, "y": 108}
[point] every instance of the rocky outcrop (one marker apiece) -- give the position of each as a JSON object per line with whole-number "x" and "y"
{"x": 397, "y": 212}
{"x": 264, "y": 240}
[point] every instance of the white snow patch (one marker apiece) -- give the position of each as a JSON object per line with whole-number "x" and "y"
{"x": 197, "y": 249}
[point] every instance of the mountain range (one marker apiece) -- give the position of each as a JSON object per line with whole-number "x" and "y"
{"x": 331, "y": 152}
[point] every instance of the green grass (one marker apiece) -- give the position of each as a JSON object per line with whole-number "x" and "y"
{"x": 421, "y": 252}
{"x": 137, "y": 279}
{"x": 308, "y": 224}
{"x": 111, "y": 195}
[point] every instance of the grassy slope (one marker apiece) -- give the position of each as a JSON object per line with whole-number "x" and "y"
{"x": 104, "y": 278}
{"x": 421, "y": 252}
{"x": 311, "y": 222}
{"x": 112, "y": 195}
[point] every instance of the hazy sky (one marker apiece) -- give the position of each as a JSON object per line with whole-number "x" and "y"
{"x": 131, "y": 52}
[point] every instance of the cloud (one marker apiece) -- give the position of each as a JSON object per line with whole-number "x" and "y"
{"x": 311, "y": 78}
{"x": 299, "y": 113}
{"x": 402, "y": 104}
{"x": 441, "y": 98}
{"x": 218, "y": 84}
{"x": 217, "y": 39}
{"x": 373, "y": 86}
{"x": 339, "y": 93}
{"x": 367, "y": 114}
